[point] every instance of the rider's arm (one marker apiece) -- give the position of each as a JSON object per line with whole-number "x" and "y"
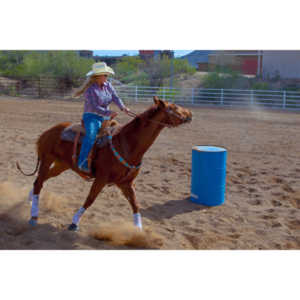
{"x": 115, "y": 98}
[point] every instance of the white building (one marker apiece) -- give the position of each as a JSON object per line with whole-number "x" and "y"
{"x": 285, "y": 64}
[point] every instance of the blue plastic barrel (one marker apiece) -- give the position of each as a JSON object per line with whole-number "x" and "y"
{"x": 208, "y": 175}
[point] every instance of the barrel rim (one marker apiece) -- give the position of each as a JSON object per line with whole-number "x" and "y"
{"x": 220, "y": 149}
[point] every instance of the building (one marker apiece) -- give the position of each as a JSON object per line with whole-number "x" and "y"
{"x": 281, "y": 64}
{"x": 244, "y": 61}
{"x": 109, "y": 60}
{"x": 85, "y": 53}
{"x": 198, "y": 59}
{"x": 155, "y": 54}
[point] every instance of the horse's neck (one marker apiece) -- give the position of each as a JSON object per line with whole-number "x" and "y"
{"x": 141, "y": 138}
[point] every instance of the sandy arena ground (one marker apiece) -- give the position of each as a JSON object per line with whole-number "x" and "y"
{"x": 262, "y": 193}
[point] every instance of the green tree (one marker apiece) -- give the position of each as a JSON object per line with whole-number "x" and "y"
{"x": 11, "y": 61}
{"x": 222, "y": 77}
{"x": 134, "y": 70}
{"x": 66, "y": 65}
{"x": 128, "y": 66}
{"x": 159, "y": 70}
{"x": 63, "y": 64}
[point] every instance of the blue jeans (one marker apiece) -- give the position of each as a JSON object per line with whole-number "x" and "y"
{"x": 92, "y": 124}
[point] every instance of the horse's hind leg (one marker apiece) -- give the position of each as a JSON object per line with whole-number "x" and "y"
{"x": 57, "y": 169}
{"x": 37, "y": 186}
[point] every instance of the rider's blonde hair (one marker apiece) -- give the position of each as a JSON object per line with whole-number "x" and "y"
{"x": 85, "y": 86}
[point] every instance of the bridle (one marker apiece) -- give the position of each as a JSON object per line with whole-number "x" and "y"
{"x": 168, "y": 111}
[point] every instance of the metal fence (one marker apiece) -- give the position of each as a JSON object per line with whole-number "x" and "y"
{"x": 53, "y": 88}
{"x": 214, "y": 97}
{"x": 44, "y": 87}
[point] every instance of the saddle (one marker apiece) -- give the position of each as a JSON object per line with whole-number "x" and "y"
{"x": 75, "y": 133}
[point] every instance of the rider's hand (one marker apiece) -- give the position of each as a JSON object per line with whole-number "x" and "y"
{"x": 113, "y": 114}
{"x": 126, "y": 109}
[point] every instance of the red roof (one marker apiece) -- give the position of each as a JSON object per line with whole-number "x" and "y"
{"x": 146, "y": 52}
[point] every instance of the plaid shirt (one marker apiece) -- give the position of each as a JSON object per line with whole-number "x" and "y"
{"x": 97, "y": 99}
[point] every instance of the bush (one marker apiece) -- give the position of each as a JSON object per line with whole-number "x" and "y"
{"x": 127, "y": 66}
{"x": 182, "y": 66}
{"x": 62, "y": 64}
{"x": 135, "y": 71}
{"x": 168, "y": 94}
{"x": 66, "y": 66}
{"x": 140, "y": 78}
{"x": 222, "y": 77}
{"x": 260, "y": 86}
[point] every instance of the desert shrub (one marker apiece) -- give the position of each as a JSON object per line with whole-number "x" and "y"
{"x": 168, "y": 94}
{"x": 127, "y": 66}
{"x": 260, "y": 86}
{"x": 11, "y": 62}
{"x": 139, "y": 78}
{"x": 222, "y": 77}
{"x": 65, "y": 66}
{"x": 133, "y": 70}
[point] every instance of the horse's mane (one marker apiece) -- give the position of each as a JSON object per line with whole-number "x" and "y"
{"x": 138, "y": 120}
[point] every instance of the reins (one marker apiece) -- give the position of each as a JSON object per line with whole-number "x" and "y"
{"x": 134, "y": 115}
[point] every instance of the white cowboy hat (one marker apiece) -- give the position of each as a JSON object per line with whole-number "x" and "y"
{"x": 101, "y": 68}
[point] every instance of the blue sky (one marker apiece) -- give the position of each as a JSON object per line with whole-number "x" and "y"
{"x": 178, "y": 53}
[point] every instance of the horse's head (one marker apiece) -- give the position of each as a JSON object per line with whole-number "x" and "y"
{"x": 175, "y": 115}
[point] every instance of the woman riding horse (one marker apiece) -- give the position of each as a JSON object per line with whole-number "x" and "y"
{"x": 99, "y": 93}
{"x": 117, "y": 163}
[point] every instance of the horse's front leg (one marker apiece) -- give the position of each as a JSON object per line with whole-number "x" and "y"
{"x": 96, "y": 188}
{"x": 129, "y": 192}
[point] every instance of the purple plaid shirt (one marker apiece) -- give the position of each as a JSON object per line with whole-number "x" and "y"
{"x": 97, "y": 99}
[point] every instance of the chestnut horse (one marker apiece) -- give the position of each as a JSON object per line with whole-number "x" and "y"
{"x": 128, "y": 144}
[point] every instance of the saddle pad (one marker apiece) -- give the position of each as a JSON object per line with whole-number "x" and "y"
{"x": 69, "y": 135}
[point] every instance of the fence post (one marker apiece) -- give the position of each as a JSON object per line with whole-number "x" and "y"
{"x": 136, "y": 93}
{"x": 164, "y": 93}
{"x": 193, "y": 95}
{"x": 252, "y": 98}
{"x": 222, "y": 96}
{"x": 284, "y": 100}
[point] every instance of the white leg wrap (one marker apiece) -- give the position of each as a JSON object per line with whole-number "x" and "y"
{"x": 78, "y": 215}
{"x": 137, "y": 220}
{"x": 35, "y": 206}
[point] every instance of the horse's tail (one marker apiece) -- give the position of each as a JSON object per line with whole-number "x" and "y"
{"x": 31, "y": 174}
{"x": 46, "y": 143}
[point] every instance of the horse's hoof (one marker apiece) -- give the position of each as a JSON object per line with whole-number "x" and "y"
{"x": 32, "y": 222}
{"x": 73, "y": 227}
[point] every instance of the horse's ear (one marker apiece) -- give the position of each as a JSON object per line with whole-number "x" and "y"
{"x": 159, "y": 102}
{"x": 156, "y": 100}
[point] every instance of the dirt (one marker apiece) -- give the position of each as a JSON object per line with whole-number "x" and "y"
{"x": 262, "y": 204}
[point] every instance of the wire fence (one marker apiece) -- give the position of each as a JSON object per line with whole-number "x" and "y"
{"x": 55, "y": 88}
